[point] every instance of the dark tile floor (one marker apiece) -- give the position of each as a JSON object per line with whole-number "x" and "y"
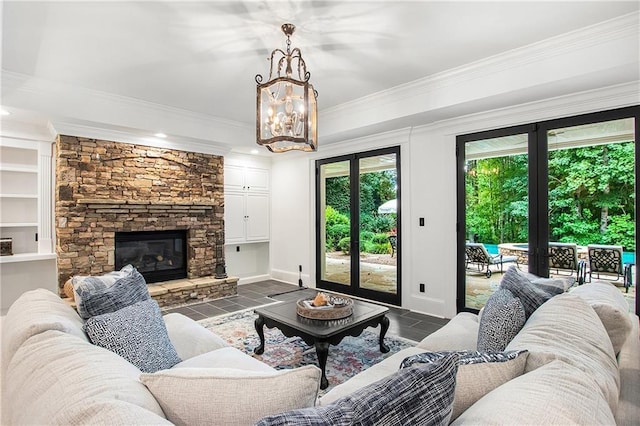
{"x": 404, "y": 323}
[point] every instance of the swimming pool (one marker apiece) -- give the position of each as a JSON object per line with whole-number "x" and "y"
{"x": 627, "y": 256}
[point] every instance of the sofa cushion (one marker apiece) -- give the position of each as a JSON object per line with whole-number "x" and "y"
{"x": 224, "y": 396}
{"x": 421, "y": 395}
{"x": 137, "y": 333}
{"x": 567, "y": 328}
{"x": 611, "y": 307}
{"x": 555, "y": 394}
{"x": 478, "y": 373}
{"x": 225, "y": 358}
{"x": 459, "y": 334}
{"x": 34, "y": 312}
{"x": 97, "y": 295}
{"x": 190, "y": 338}
{"x": 502, "y": 318}
{"x": 54, "y": 375}
{"x": 522, "y": 287}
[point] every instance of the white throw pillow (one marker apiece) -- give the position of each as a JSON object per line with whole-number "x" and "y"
{"x": 228, "y": 397}
{"x": 611, "y": 307}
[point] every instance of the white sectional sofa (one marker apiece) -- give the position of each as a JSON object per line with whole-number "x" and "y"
{"x": 52, "y": 374}
{"x": 572, "y": 373}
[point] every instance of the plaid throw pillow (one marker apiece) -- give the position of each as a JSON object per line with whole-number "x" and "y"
{"x": 422, "y": 395}
{"x": 97, "y": 295}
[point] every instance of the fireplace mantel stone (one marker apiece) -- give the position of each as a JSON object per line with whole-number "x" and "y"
{"x": 104, "y": 187}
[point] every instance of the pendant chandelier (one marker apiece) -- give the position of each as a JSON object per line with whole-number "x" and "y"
{"x": 286, "y": 116}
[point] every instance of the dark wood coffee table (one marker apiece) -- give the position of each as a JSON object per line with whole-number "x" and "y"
{"x": 321, "y": 333}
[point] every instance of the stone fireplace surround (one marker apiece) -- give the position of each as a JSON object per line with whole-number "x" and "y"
{"x": 104, "y": 187}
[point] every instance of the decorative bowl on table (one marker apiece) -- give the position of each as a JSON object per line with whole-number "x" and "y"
{"x": 325, "y": 307}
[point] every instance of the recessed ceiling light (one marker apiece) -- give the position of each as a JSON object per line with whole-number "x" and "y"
{"x": 160, "y": 135}
{"x": 4, "y": 112}
{"x": 254, "y": 151}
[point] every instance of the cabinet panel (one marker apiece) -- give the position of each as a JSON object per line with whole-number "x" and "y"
{"x": 257, "y": 209}
{"x": 234, "y": 178}
{"x": 234, "y": 217}
{"x": 257, "y": 179}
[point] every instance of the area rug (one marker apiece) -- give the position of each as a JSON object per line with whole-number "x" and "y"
{"x": 351, "y": 356}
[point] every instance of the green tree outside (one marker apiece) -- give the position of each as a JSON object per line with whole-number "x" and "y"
{"x": 591, "y": 196}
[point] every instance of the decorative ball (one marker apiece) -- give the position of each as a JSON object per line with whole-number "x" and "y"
{"x": 68, "y": 289}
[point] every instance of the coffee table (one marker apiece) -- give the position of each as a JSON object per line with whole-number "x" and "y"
{"x": 321, "y": 333}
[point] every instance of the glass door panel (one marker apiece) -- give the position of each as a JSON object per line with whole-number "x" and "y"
{"x": 358, "y": 233}
{"x": 335, "y": 210}
{"x": 591, "y": 198}
{"x": 496, "y": 213}
{"x": 378, "y": 223}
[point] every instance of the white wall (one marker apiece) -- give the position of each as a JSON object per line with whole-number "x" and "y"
{"x": 18, "y": 277}
{"x": 249, "y": 262}
{"x": 428, "y": 164}
{"x": 292, "y": 221}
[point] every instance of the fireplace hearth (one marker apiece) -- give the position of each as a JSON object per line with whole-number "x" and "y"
{"x": 157, "y": 255}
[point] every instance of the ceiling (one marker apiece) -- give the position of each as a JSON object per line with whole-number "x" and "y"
{"x": 199, "y": 58}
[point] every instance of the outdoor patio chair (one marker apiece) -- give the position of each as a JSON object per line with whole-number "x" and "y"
{"x": 564, "y": 256}
{"x": 607, "y": 260}
{"x": 393, "y": 241}
{"x": 477, "y": 254}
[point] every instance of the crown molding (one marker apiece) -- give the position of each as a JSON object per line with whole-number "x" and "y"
{"x": 612, "y": 97}
{"x": 130, "y": 136}
{"x": 429, "y": 94}
{"x": 63, "y": 101}
{"x": 27, "y": 131}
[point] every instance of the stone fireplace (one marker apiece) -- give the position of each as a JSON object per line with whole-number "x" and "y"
{"x": 109, "y": 190}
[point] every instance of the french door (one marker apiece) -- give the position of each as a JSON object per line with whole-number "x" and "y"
{"x": 567, "y": 183}
{"x": 358, "y": 225}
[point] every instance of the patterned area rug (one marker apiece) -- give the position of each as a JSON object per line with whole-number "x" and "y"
{"x": 351, "y": 356}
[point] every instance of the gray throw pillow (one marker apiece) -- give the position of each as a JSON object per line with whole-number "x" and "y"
{"x": 422, "y": 395}
{"x": 531, "y": 295}
{"x": 503, "y": 317}
{"x": 97, "y": 295}
{"x": 137, "y": 333}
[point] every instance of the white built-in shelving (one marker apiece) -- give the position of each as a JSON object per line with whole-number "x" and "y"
{"x": 26, "y": 199}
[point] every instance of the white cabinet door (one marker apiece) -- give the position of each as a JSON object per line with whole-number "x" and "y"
{"x": 242, "y": 178}
{"x": 234, "y": 178}
{"x": 256, "y": 179}
{"x": 234, "y": 217}
{"x": 257, "y": 209}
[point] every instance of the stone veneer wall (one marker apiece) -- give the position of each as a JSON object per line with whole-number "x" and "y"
{"x": 104, "y": 187}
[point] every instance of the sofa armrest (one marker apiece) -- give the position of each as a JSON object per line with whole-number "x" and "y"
{"x": 461, "y": 333}
{"x": 190, "y": 338}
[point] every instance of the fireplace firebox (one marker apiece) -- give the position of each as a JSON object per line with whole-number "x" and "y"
{"x": 157, "y": 255}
